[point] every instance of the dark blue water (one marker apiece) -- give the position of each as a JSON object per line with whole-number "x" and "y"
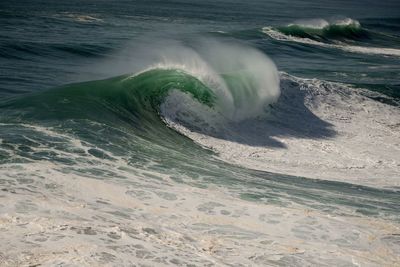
{"x": 44, "y": 44}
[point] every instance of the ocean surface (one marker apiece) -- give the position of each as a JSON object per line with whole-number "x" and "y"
{"x": 199, "y": 133}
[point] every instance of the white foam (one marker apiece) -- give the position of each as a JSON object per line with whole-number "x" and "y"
{"x": 69, "y": 219}
{"x": 346, "y": 22}
{"x": 86, "y": 18}
{"x": 181, "y": 107}
{"x": 311, "y": 23}
{"x": 361, "y": 145}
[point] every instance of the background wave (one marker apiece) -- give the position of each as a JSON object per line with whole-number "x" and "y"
{"x": 320, "y": 29}
{"x": 346, "y": 34}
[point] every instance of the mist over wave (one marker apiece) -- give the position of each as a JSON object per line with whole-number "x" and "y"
{"x": 243, "y": 80}
{"x": 202, "y": 87}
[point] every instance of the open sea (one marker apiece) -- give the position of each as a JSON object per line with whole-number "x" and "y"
{"x": 199, "y": 133}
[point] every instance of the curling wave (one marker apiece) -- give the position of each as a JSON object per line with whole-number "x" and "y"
{"x": 205, "y": 87}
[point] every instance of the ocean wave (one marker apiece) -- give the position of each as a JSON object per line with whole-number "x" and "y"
{"x": 227, "y": 82}
{"x": 231, "y": 99}
{"x": 339, "y": 34}
{"x": 320, "y": 29}
{"x": 243, "y": 80}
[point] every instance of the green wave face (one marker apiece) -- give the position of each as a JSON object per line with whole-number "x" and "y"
{"x": 125, "y": 97}
{"x": 132, "y": 103}
{"x": 197, "y": 90}
{"x": 351, "y": 31}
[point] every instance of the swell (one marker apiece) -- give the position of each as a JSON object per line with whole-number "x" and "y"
{"x": 25, "y": 50}
{"x": 135, "y": 99}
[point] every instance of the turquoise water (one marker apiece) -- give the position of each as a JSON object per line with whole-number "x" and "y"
{"x": 128, "y": 131}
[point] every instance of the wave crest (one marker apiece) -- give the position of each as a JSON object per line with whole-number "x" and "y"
{"x": 243, "y": 79}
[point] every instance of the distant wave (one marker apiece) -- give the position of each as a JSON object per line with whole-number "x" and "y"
{"x": 338, "y": 34}
{"x": 320, "y": 29}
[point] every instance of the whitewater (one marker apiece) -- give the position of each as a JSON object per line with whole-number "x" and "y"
{"x": 193, "y": 134}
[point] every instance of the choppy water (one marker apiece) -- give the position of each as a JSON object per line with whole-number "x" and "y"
{"x": 155, "y": 133}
